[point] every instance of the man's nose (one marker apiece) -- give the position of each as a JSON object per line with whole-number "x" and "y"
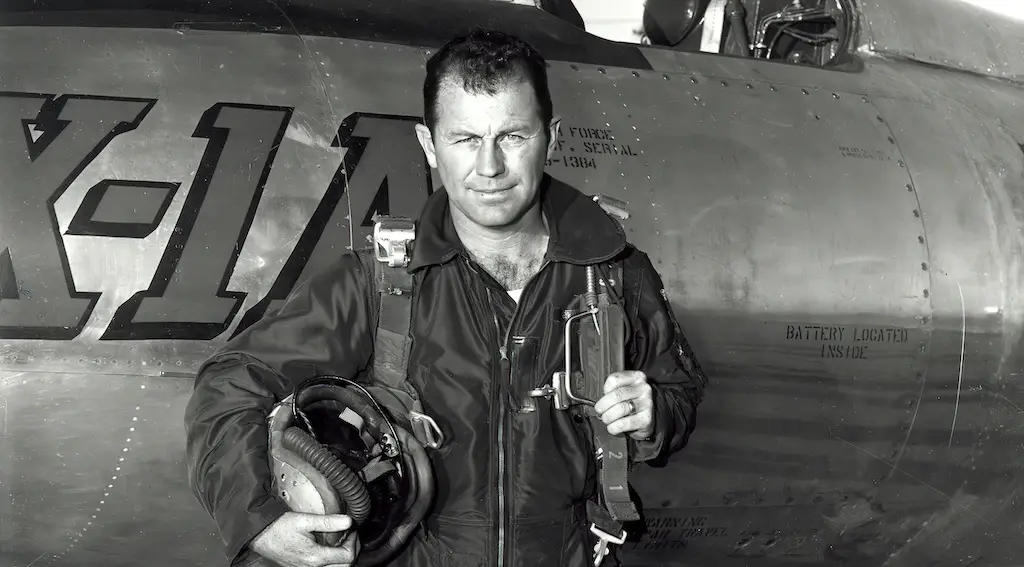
{"x": 490, "y": 160}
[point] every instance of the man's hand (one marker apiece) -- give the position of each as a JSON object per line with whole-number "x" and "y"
{"x": 627, "y": 405}
{"x": 289, "y": 541}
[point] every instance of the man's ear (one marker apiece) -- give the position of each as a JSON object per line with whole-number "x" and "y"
{"x": 427, "y": 143}
{"x": 554, "y": 129}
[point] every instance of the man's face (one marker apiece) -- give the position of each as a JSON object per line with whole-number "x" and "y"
{"x": 489, "y": 151}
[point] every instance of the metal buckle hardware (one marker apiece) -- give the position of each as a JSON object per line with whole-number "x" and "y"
{"x": 391, "y": 238}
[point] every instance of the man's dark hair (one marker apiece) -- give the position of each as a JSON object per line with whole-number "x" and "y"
{"x": 483, "y": 61}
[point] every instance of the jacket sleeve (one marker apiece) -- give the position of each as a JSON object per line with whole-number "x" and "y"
{"x": 323, "y": 327}
{"x": 659, "y": 349}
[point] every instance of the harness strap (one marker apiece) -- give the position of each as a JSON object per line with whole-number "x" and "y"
{"x": 601, "y": 353}
{"x": 394, "y": 320}
{"x": 393, "y": 238}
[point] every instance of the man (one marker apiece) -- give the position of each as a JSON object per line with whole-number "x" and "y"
{"x": 499, "y": 253}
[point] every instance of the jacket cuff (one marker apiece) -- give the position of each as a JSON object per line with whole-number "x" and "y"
{"x": 650, "y": 448}
{"x": 257, "y": 518}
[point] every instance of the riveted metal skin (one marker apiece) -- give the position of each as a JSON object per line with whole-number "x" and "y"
{"x": 843, "y": 249}
{"x": 975, "y": 39}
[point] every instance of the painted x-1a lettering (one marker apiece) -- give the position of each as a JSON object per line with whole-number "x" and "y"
{"x": 187, "y": 298}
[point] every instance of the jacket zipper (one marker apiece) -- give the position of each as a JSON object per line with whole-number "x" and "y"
{"x": 505, "y": 370}
{"x": 506, "y": 375}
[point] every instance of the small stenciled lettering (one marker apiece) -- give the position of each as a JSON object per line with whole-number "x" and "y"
{"x": 845, "y": 342}
{"x": 583, "y": 147}
{"x": 590, "y": 133}
{"x": 844, "y": 351}
{"x": 879, "y": 335}
{"x": 814, "y": 333}
{"x": 864, "y": 153}
{"x": 606, "y": 148}
{"x": 674, "y": 532}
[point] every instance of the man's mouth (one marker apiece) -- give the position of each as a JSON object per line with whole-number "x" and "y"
{"x": 492, "y": 191}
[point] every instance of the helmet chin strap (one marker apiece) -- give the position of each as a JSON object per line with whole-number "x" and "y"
{"x": 421, "y": 491}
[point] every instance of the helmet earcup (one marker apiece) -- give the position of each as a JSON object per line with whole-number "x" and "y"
{"x": 349, "y": 487}
{"x": 302, "y": 487}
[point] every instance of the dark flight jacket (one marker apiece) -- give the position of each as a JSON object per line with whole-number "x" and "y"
{"x": 511, "y": 484}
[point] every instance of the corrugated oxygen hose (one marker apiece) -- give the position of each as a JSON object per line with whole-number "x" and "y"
{"x": 349, "y": 486}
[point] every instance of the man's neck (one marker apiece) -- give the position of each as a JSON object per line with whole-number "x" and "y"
{"x": 511, "y": 255}
{"x": 515, "y": 239}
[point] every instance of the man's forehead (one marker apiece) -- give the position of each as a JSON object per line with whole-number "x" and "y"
{"x": 453, "y": 106}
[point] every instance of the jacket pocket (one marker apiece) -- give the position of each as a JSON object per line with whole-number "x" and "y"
{"x": 552, "y": 543}
{"x": 540, "y": 543}
{"x": 427, "y": 549}
{"x": 456, "y": 544}
{"x": 524, "y": 374}
{"x": 443, "y": 556}
{"x": 551, "y": 343}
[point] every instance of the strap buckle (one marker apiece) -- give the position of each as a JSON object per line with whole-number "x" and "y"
{"x": 608, "y": 538}
{"x": 391, "y": 238}
{"x": 604, "y": 540}
{"x": 426, "y": 430}
{"x": 560, "y": 390}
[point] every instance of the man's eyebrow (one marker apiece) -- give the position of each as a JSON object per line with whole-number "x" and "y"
{"x": 462, "y": 132}
{"x": 459, "y": 133}
{"x": 517, "y": 127}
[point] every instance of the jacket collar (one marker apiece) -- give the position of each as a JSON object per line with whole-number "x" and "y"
{"x": 580, "y": 231}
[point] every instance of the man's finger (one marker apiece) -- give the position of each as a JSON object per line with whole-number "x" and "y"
{"x": 630, "y": 423}
{"x": 325, "y": 523}
{"x": 340, "y": 556}
{"x": 639, "y": 393}
{"x": 624, "y": 409}
{"x": 623, "y": 378}
{"x": 617, "y": 412}
{"x": 344, "y": 555}
{"x": 620, "y": 426}
{"x": 611, "y": 398}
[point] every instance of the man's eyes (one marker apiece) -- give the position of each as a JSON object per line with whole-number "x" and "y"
{"x": 510, "y": 137}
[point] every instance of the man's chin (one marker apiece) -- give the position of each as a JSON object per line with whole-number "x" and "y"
{"x": 499, "y": 217}
{"x": 495, "y": 222}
